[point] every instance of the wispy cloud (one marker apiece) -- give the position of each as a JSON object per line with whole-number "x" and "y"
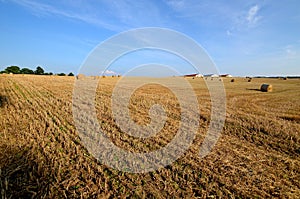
{"x": 176, "y": 4}
{"x": 252, "y": 16}
{"x": 137, "y": 13}
{"x": 229, "y": 33}
{"x": 290, "y": 51}
{"x": 41, "y": 9}
{"x": 243, "y": 20}
{"x": 214, "y": 15}
{"x": 112, "y": 15}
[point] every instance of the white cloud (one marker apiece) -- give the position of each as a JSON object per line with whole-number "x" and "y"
{"x": 252, "y": 16}
{"x": 109, "y": 72}
{"x": 243, "y": 20}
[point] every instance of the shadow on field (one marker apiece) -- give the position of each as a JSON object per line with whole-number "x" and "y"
{"x": 21, "y": 174}
{"x": 3, "y": 100}
{"x": 253, "y": 89}
{"x": 292, "y": 118}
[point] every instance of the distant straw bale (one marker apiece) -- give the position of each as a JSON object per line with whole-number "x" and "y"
{"x": 266, "y": 88}
{"x": 80, "y": 76}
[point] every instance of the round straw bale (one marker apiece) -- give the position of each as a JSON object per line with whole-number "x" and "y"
{"x": 80, "y": 76}
{"x": 266, "y": 87}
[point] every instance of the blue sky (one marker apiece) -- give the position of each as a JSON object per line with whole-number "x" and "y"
{"x": 242, "y": 37}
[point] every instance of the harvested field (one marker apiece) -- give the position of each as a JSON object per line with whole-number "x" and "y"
{"x": 41, "y": 155}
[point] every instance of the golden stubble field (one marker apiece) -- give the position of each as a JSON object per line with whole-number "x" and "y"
{"x": 41, "y": 155}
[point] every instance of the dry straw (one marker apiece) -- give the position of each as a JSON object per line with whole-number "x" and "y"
{"x": 266, "y": 87}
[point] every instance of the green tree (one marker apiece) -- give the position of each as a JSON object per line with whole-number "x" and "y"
{"x": 12, "y": 69}
{"x": 26, "y": 71}
{"x": 61, "y": 74}
{"x": 39, "y": 71}
{"x": 71, "y": 74}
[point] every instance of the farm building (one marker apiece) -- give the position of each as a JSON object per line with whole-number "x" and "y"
{"x": 199, "y": 75}
{"x": 193, "y": 75}
{"x": 190, "y": 75}
{"x": 211, "y": 75}
{"x": 226, "y": 75}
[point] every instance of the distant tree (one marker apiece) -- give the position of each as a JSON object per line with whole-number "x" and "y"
{"x": 39, "y": 71}
{"x": 26, "y": 71}
{"x": 12, "y": 69}
{"x": 50, "y": 73}
{"x": 61, "y": 74}
{"x": 71, "y": 74}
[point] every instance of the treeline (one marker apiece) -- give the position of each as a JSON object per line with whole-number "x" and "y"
{"x": 38, "y": 71}
{"x": 277, "y": 77}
